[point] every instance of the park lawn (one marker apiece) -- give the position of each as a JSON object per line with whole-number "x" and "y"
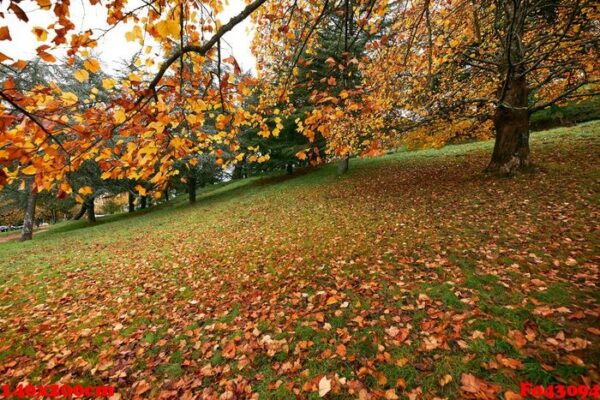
{"x": 415, "y": 275}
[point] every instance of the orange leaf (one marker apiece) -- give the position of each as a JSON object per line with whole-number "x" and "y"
{"x": 4, "y": 57}
{"x": 229, "y": 350}
{"x": 4, "y": 33}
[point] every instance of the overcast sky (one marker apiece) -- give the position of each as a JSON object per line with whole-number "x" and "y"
{"x": 113, "y": 47}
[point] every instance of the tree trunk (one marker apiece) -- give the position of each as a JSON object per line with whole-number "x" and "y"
{"x": 91, "y": 212}
{"x": 192, "y": 188}
{"x": 27, "y": 233}
{"x": 80, "y": 212}
{"x": 167, "y": 193}
{"x": 143, "y": 202}
{"x": 511, "y": 123}
{"x": 511, "y": 118}
{"x": 343, "y": 165}
{"x": 511, "y": 149}
{"x": 131, "y": 200}
{"x": 238, "y": 171}
{"x": 289, "y": 168}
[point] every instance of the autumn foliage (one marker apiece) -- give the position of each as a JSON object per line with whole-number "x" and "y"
{"x": 425, "y": 72}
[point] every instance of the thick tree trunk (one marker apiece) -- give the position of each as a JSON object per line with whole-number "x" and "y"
{"x": 131, "y": 201}
{"x": 27, "y": 233}
{"x": 192, "y": 188}
{"x": 343, "y": 165}
{"x": 91, "y": 211}
{"x": 166, "y": 193}
{"x": 511, "y": 149}
{"x": 143, "y": 202}
{"x": 511, "y": 118}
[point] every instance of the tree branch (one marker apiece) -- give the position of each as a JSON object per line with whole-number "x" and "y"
{"x": 203, "y": 49}
{"x": 35, "y": 121}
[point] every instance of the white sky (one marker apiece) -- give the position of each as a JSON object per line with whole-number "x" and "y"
{"x": 113, "y": 47}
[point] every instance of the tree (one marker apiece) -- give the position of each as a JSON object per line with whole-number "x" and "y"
{"x": 136, "y": 129}
{"x": 312, "y": 66}
{"x": 483, "y": 66}
{"x": 368, "y": 74}
{"x": 29, "y": 219}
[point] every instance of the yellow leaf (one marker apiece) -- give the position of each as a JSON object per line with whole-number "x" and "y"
{"x": 81, "y": 75}
{"x": 106, "y": 175}
{"x": 141, "y": 190}
{"x": 40, "y": 33}
{"x": 69, "y": 98}
{"x": 108, "y": 83}
{"x": 92, "y": 65}
{"x": 84, "y": 191}
{"x": 30, "y": 170}
{"x": 167, "y": 28}
{"x": 120, "y": 116}
{"x": 136, "y": 33}
{"x": 65, "y": 187}
{"x": 134, "y": 78}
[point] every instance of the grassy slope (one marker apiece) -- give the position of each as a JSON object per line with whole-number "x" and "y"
{"x": 412, "y": 267}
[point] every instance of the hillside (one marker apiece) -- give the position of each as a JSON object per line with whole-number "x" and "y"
{"x": 413, "y": 275}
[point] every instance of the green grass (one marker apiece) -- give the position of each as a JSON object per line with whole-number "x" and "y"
{"x": 568, "y": 114}
{"x": 283, "y": 270}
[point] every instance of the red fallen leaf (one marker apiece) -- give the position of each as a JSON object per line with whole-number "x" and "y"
{"x": 518, "y": 338}
{"x": 104, "y": 365}
{"x": 206, "y": 370}
{"x": 575, "y": 360}
{"x": 509, "y": 395}
{"x": 341, "y": 350}
{"x": 594, "y": 331}
{"x": 476, "y": 388}
{"x": 538, "y": 282}
{"x": 229, "y": 350}
{"x": 142, "y": 387}
{"x": 577, "y": 315}
{"x": 381, "y": 378}
{"x": 509, "y": 362}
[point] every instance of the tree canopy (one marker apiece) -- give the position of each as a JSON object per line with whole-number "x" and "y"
{"x": 362, "y": 75}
